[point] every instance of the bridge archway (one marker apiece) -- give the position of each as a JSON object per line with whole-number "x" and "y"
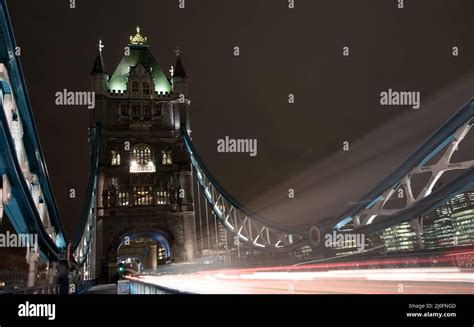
{"x": 132, "y": 263}
{"x": 136, "y": 243}
{"x": 155, "y": 234}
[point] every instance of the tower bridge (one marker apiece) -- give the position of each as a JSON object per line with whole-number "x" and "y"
{"x": 151, "y": 199}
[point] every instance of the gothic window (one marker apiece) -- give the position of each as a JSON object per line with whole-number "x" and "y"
{"x": 162, "y": 197}
{"x": 115, "y": 158}
{"x": 141, "y": 154}
{"x": 123, "y": 199}
{"x": 142, "y": 195}
{"x": 146, "y": 88}
{"x": 135, "y": 87}
{"x": 141, "y": 159}
{"x": 166, "y": 159}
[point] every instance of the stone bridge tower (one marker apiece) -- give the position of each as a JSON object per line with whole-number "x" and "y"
{"x": 144, "y": 193}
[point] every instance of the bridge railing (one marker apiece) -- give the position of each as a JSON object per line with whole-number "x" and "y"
{"x": 54, "y": 289}
{"x": 83, "y": 285}
{"x": 136, "y": 287}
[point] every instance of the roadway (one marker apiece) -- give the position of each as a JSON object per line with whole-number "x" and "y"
{"x": 449, "y": 280}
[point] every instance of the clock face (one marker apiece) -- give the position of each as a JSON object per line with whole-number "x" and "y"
{"x": 218, "y": 131}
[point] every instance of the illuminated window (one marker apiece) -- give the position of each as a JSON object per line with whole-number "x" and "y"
{"x": 221, "y": 233}
{"x": 163, "y": 197}
{"x": 141, "y": 154}
{"x": 166, "y": 159}
{"x": 141, "y": 159}
{"x": 115, "y": 158}
{"x": 142, "y": 195}
{"x": 161, "y": 253}
{"x": 135, "y": 87}
{"x": 146, "y": 88}
{"x": 123, "y": 199}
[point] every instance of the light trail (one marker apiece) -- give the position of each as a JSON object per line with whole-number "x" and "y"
{"x": 368, "y": 276}
{"x": 363, "y": 281}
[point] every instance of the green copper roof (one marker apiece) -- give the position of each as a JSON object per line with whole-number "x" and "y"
{"x": 138, "y": 54}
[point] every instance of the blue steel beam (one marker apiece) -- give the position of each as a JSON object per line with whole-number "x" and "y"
{"x": 21, "y": 208}
{"x": 85, "y": 228}
{"x": 428, "y": 204}
{"x": 91, "y": 188}
{"x": 31, "y": 141}
{"x": 440, "y": 139}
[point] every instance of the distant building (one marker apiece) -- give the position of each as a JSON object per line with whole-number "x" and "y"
{"x": 399, "y": 238}
{"x": 452, "y": 224}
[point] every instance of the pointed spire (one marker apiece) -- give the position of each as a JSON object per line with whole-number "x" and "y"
{"x": 178, "y": 70}
{"x": 99, "y": 67}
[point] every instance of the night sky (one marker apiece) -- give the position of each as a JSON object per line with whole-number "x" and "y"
{"x": 282, "y": 51}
